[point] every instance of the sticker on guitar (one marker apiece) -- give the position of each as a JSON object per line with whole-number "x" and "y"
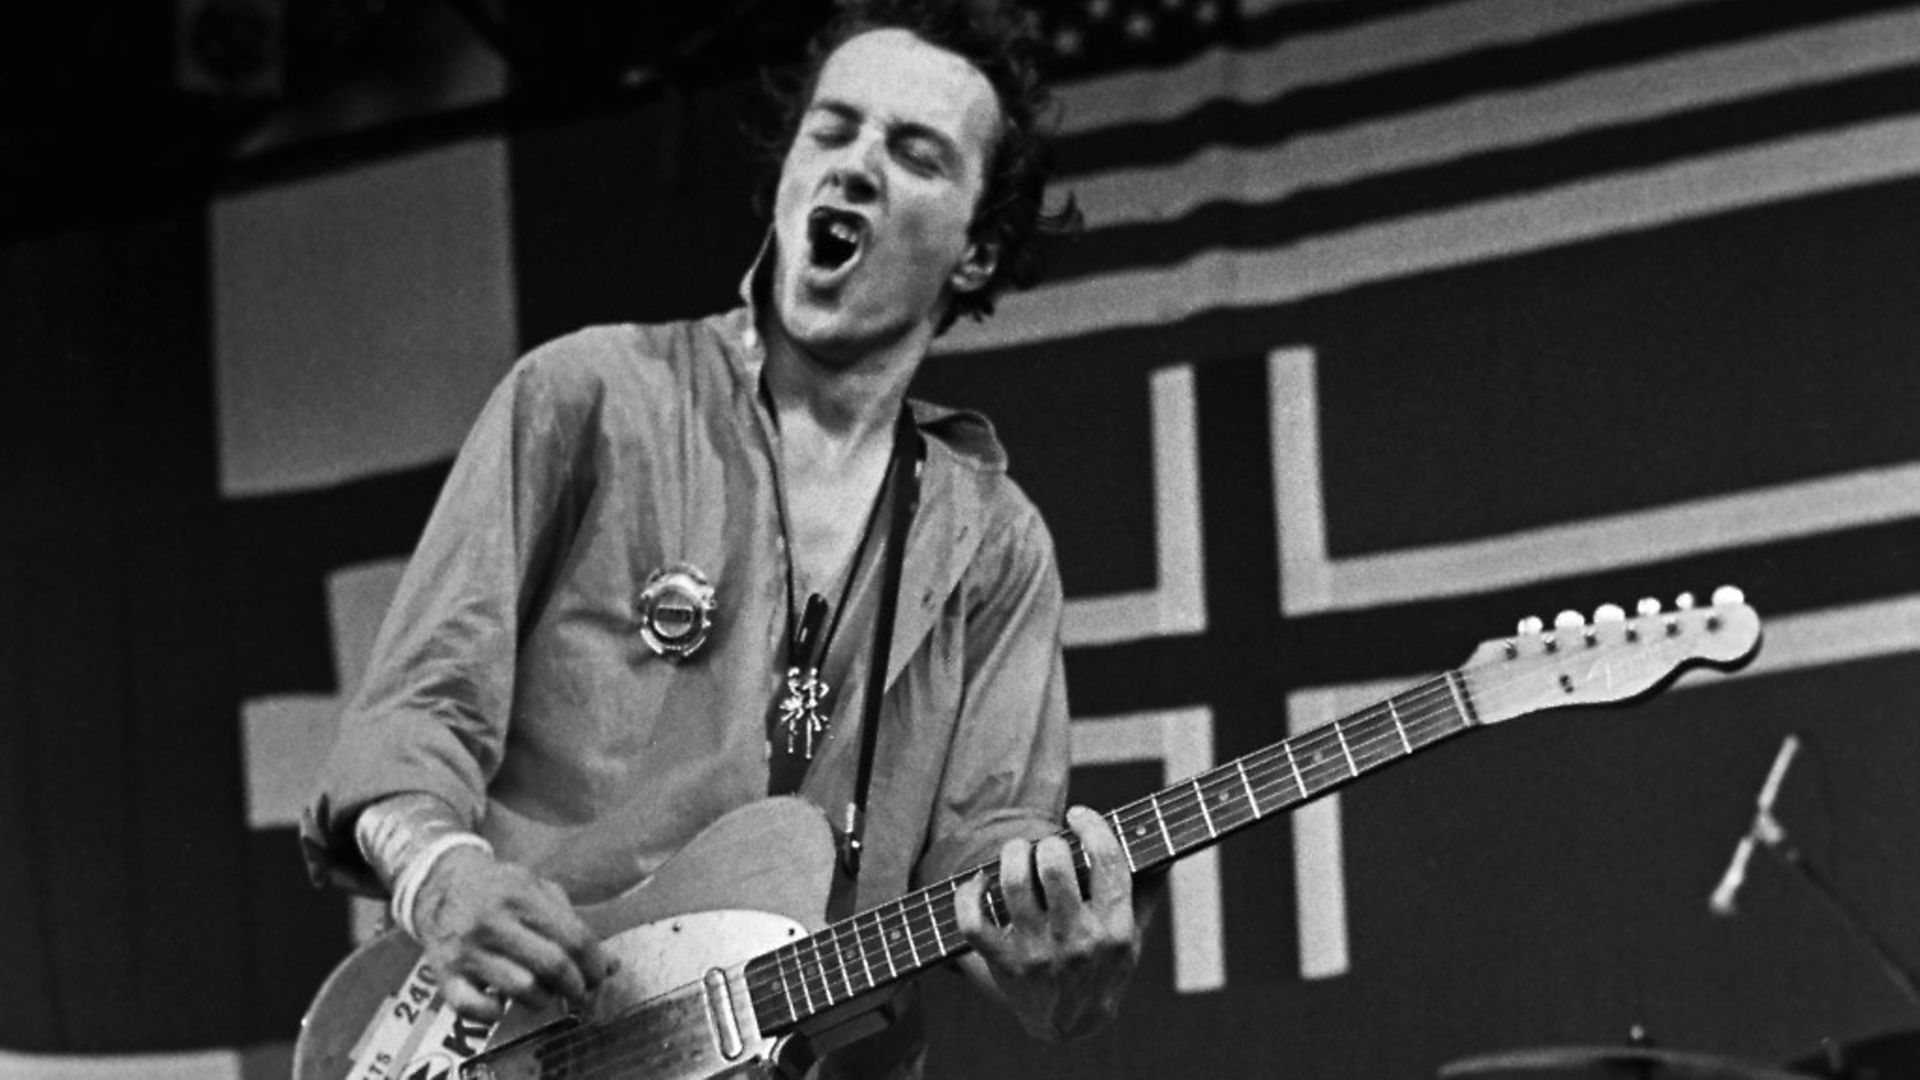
{"x": 414, "y": 1036}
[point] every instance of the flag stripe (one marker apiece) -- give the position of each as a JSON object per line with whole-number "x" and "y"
{"x": 1823, "y": 162}
{"x": 1781, "y": 578}
{"x": 1314, "y": 582}
{"x": 1291, "y": 52}
{"x": 1457, "y": 77}
{"x": 1457, "y": 131}
{"x": 1481, "y": 178}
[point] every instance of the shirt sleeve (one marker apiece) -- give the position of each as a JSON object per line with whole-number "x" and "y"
{"x": 1006, "y": 773}
{"x": 433, "y": 712}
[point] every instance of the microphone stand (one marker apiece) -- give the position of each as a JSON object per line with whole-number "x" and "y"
{"x": 1774, "y": 838}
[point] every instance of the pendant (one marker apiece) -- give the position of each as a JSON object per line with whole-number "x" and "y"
{"x": 800, "y": 710}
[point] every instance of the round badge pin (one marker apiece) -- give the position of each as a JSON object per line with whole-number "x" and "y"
{"x": 676, "y": 611}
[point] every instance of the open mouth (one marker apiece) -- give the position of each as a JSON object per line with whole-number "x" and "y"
{"x": 834, "y": 237}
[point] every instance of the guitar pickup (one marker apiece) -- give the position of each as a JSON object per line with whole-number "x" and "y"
{"x": 726, "y": 1028}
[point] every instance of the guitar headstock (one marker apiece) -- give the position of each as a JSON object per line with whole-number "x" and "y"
{"x": 1611, "y": 657}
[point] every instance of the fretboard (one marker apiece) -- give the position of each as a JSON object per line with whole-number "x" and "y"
{"x": 876, "y": 947}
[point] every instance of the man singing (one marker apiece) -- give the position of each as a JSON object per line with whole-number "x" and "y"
{"x": 654, "y": 586}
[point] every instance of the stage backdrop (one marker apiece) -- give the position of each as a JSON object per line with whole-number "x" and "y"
{"x": 1395, "y": 322}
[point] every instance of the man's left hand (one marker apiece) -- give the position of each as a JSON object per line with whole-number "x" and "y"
{"x": 1065, "y": 955}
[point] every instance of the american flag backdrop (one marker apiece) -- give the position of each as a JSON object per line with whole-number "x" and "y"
{"x": 1394, "y": 322}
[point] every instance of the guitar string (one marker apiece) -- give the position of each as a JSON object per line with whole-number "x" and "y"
{"x": 1418, "y": 717}
{"x": 1357, "y": 736}
{"x": 1419, "y": 721}
{"x": 587, "y": 1049}
{"x": 1181, "y": 812}
{"x": 1186, "y": 813}
{"x": 866, "y": 933}
{"x": 1188, "y": 818}
{"x": 1424, "y": 716}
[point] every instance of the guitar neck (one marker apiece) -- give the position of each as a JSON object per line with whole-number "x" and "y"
{"x": 897, "y": 939}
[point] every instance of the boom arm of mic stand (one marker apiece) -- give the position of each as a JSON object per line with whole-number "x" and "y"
{"x": 1774, "y": 839}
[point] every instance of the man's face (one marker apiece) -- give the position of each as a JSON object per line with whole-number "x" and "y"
{"x": 877, "y": 192}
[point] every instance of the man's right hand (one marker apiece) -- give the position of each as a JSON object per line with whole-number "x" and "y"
{"x": 495, "y": 930}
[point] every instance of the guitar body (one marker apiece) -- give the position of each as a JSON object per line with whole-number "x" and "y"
{"x": 377, "y": 1015}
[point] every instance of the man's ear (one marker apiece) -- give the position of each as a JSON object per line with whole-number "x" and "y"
{"x": 976, "y": 269}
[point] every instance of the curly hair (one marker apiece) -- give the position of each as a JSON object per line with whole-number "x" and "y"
{"x": 1003, "y": 44}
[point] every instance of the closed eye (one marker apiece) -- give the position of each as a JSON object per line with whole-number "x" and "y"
{"x": 831, "y": 123}
{"x": 831, "y": 135}
{"x": 921, "y": 162}
{"x": 922, "y": 153}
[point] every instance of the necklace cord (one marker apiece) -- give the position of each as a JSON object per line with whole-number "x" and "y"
{"x": 907, "y": 444}
{"x": 806, "y": 646}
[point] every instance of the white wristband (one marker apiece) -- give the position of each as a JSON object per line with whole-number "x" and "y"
{"x": 407, "y": 889}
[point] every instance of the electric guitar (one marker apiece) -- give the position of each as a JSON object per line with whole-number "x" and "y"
{"x": 726, "y": 964}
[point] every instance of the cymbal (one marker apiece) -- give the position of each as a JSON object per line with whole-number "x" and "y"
{"x": 1893, "y": 1055}
{"x": 1611, "y": 1063}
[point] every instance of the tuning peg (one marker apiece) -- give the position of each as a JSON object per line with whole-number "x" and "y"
{"x": 1728, "y": 594}
{"x": 1569, "y": 620}
{"x": 1531, "y": 625}
{"x": 1609, "y": 613}
{"x": 1683, "y": 602}
{"x": 1647, "y": 606}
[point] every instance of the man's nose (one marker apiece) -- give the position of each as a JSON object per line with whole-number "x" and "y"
{"x": 857, "y": 175}
{"x": 859, "y": 185}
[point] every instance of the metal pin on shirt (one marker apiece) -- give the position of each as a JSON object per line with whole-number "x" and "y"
{"x": 676, "y": 611}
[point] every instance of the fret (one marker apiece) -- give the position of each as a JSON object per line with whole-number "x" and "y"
{"x": 1127, "y": 839}
{"x": 821, "y": 945}
{"x": 1191, "y": 834}
{"x": 786, "y": 988}
{"x": 818, "y": 969}
{"x": 912, "y": 948}
{"x": 1299, "y": 781}
{"x": 1345, "y": 751}
{"x": 1200, "y": 797}
{"x": 886, "y": 944}
{"x": 860, "y": 947}
{"x": 884, "y": 928}
{"x": 840, "y": 957}
{"x": 1405, "y": 743}
{"x": 1459, "y": 701}
{"x": 800, "y": 966}
{"x": 1240, "y": 765}
{"x": 1185, "y": 833}
{"x": 1160, "y": 820}
{"x": 939, "y": 943}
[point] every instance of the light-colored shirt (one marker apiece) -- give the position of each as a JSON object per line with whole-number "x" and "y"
{"x": 510, "y": 678}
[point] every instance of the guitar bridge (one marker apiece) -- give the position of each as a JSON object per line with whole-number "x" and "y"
{"x": 517, "y": 1059}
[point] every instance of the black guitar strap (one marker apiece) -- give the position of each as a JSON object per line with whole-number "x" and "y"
{"x": 910, "y": 450}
